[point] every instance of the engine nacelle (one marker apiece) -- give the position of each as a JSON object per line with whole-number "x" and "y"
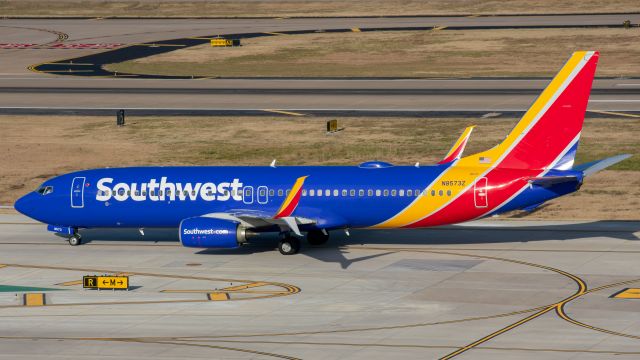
{"x": 203, "y": 232}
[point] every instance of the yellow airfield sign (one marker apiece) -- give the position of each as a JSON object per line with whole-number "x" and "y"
{"x": 105, "y": 282}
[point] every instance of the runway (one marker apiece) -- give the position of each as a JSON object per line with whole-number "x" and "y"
{"x": 490, "y": 289}
{"x": 324, "y": 97}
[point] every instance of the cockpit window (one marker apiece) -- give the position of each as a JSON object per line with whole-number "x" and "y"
{"x": 45, "y": 190}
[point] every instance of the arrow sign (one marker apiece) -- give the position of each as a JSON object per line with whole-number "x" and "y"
{"x": 105, "y": 282}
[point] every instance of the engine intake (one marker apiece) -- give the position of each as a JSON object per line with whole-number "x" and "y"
{"x": 203, "y": 232}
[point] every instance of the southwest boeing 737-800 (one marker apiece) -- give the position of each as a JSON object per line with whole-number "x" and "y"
{"x": 222, "y": 207}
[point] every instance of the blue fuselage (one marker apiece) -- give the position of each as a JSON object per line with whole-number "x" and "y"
{"x": 333, "y": 196}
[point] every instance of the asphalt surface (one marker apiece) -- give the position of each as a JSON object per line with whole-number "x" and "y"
{"x": 491, "y": 289}
{"x": 329, "y": 97}
{"x": 24, "y": 91}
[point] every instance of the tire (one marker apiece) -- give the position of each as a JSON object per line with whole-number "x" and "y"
{"x": 317, "y": 237}
{"x": 75, "y": 240}
{"x": 289, "y": 246}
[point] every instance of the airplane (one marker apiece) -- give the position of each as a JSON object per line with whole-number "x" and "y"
{"x": 224, "y": 207}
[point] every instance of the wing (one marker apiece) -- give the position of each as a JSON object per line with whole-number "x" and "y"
{"x": 255, "y": 220}
{"x": 283, "y": 218}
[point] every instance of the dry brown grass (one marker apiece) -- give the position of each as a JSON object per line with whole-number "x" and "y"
{"x": 526, "y": 52}
{"x": 36, "y": 148}
{"x": 226, "y": 8}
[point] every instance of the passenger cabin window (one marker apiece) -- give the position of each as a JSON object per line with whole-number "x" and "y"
{"x": 327, "y": 192}
{"x": 335, "y": 192}
{"x": 312, "y": 192}
{"x": 360, "y": 192}
{"x": 352, "y": 192}
{"x": 271, "y": 192}
{"x": 386, "y": 192}
{"x": 393, "y": 193}
{"x": 409, "y": 192}
{"x": 448, "y": 192}
{"x": 304, "y": 192}
{"x": 401, "y": 192}
{"x": 378, "y": 192}
{"x": 280, "y": 192}
{"x": 344, "y": 192}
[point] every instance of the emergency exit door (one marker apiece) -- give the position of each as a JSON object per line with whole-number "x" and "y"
{"x": 480, "y": 193}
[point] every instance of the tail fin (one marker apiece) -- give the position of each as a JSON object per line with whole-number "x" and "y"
{"x": 547, "y": 135}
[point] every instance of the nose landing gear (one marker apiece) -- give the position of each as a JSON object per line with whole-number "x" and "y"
{"x": 75, "y": 239}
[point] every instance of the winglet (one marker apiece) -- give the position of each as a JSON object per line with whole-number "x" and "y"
{"x": 291, "y": 201}
{"x": 458, "y": 147}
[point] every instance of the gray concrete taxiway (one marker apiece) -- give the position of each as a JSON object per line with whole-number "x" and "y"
{"x": 486, "y": 290}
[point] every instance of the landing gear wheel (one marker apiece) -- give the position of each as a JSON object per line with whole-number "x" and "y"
{"x": 317, "y": 237}
{"x": 289, "y": 246}
{"x": 75, "y": 240}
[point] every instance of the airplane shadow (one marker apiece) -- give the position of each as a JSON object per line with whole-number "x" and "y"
{"x": 336, "y": 250}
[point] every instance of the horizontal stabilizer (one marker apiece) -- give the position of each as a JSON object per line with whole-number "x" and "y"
{"x": 547, "y": 181}
{"x": 458, "y": 147}
{"x": 598, "y": 165}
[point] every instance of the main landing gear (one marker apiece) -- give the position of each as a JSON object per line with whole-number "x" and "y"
{"x": 290, "y": 245}
{"x": 75, "y": 239}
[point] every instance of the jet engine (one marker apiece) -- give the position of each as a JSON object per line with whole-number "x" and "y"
{"x": 204, "y": 232}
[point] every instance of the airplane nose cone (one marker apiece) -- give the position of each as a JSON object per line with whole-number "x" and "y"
{"x": 22, "y": 205}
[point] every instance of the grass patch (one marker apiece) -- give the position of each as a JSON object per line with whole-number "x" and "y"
{"x": 524, "y": 52}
